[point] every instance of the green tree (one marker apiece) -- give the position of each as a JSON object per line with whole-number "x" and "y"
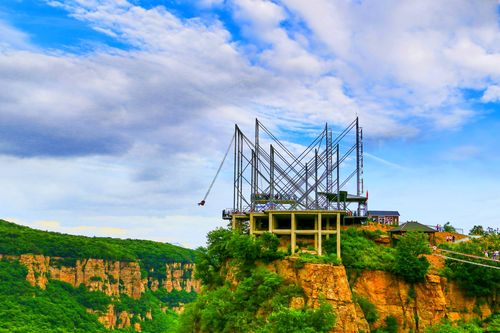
{"x": 448, "y": 227}
{"x": 243, "y": 250}
{"x": 477, "y": 230}
{"x": 410, "y": 264}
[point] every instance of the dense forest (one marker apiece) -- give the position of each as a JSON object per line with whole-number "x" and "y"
{"x": 16, "y": 239}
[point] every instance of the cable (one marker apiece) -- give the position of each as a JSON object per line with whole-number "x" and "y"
{"x": 467, "y": 262}
{"x": 469, "y": 255}
{"x": 202, "y": 202}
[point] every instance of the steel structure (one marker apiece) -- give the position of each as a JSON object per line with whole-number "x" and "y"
{"x": 268, "y": 175}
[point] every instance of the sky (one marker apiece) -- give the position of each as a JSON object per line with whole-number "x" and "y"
{"x": 115, "y": 114}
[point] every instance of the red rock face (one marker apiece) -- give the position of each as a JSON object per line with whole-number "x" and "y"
{"x": 434, "y": 299}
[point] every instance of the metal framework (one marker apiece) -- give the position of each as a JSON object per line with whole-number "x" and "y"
{"x": 270, "y": 176}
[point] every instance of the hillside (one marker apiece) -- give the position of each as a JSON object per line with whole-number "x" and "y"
{"x": 52, "y": 282}
{"x": 16, "y": 239}
{"x": 252, "y": 286}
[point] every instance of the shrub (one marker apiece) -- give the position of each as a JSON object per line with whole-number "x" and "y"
{"x": 369, "y": 309}
{"x": 258, "y": 304}
{"x": 447, "y": 327}
{"x": 314, "y": 259}
{"x": 288, "y": 320}
{"x": 391, "y": 324}
{"x": 244, "y": 250}
{"x": 410, "y": 264}
{"x": 359, "y": 250}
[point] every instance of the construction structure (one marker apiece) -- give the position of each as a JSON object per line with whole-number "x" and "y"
{"x": 301, "y": 195}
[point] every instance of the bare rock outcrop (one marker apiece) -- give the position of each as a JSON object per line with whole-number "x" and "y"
{"x": 416, "y": 309}
{"x": 109, "y": 276}
{"x": 328, "y": 282}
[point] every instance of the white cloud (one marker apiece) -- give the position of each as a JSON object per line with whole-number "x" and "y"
{"x": 149, "y": 125}
{"x": 11, "y": 37}
{"x": 452, "y": 119}
{"x": 492, "y": 94}
{"x": 262, "y": 20}
{"x": 413, "y": 57}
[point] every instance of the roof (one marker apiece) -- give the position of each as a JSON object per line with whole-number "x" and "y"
{"x": 383, "y": 212}
{"x": 412, "y": 226}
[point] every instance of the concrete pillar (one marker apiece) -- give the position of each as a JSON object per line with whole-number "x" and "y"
{"x": 233, "y": 223}
{"x": 271, "y": 227}
{"x": 328, "y": 226}
{"x": 338, "y": 235}
{"x": 293, "y": 241}
{"x": 316, "y": 233}
{"x": 252, "y": 224}
{"x": 320, "y": 240}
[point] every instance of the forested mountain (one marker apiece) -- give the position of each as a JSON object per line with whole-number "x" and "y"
{"x": 52, "y": 282}
{"x": 16, "y": 239}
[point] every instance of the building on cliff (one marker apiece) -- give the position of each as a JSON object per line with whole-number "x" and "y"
{"x": 413, "y": 226}
{"x": 384, "y": 216}
{"x": 300, "y": 196}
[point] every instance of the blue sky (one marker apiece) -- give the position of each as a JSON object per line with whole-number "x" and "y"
{"x": 115, "y": 114}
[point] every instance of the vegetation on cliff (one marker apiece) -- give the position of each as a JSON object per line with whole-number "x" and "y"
{"x": 410, "y": 264}
{"x": 475, "y": 280}
{"x": 241, "y": 296}
{"x": 490, "y": 324}
{"x": 241, "y": 293}
{"x": 27, "y": 309}
{"x": 360, "y": 251}
{"x": 63, "y": 308}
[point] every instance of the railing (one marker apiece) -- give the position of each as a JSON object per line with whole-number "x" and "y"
{"x": 440, "y": 228}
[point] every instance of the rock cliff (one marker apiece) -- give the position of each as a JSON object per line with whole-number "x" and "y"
{"x": 414, "y": 310}
{"x": 111, "y": 277}
{"x": 328, "y": 282}
{"x": 414, "y": 307}
{"x": 420, "y": 306}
